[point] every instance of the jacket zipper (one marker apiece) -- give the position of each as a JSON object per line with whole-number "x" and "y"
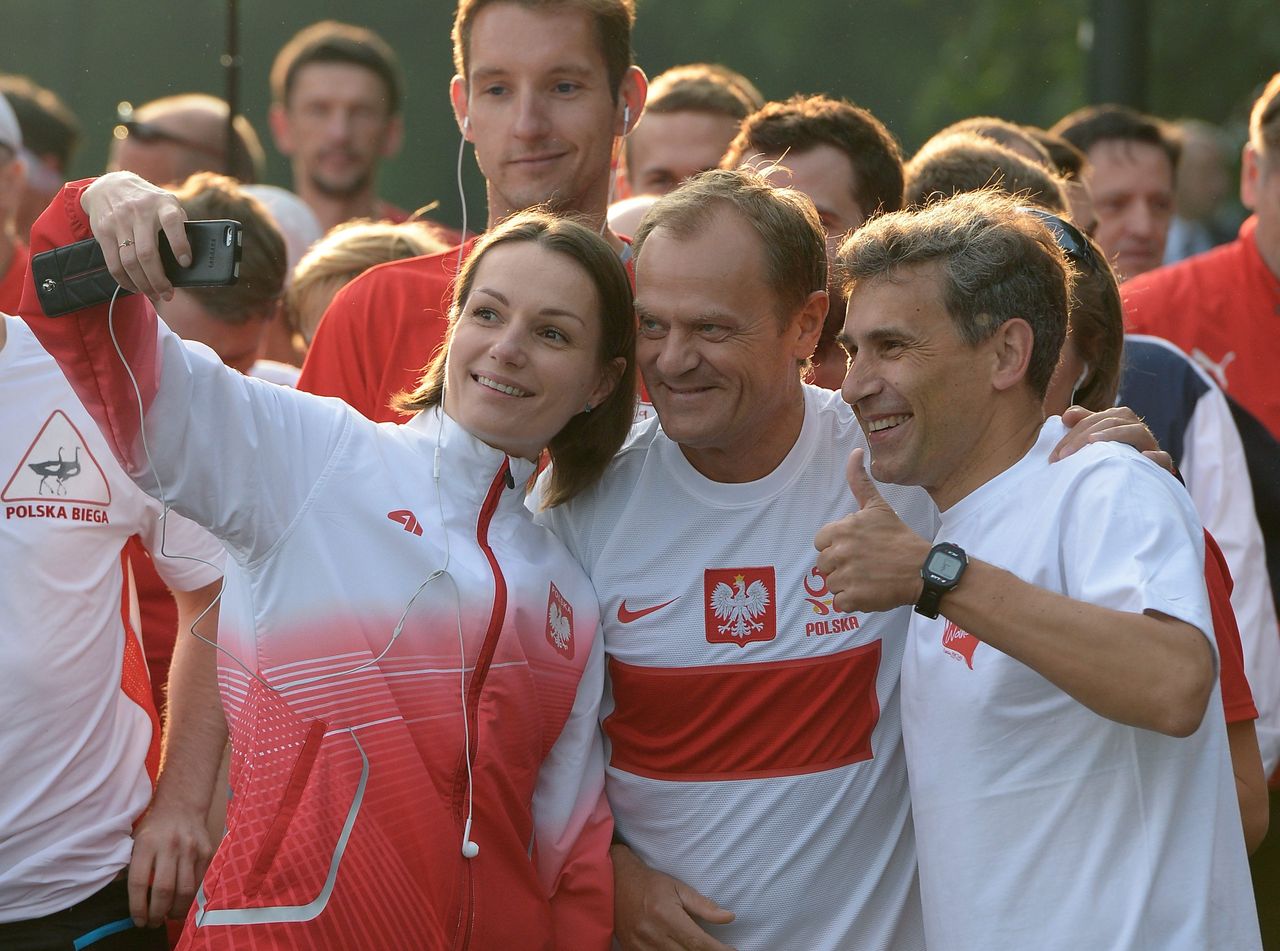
{"x": 483, "y": 660}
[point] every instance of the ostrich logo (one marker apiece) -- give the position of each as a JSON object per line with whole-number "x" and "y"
{"x": 57, "y": 465}
{"x": 59, "y": 471}
{"x": 740, "y": 605}
{"x": 559, "y": 622}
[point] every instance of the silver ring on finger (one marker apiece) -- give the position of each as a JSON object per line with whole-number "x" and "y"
{"x": 126, "y": 243}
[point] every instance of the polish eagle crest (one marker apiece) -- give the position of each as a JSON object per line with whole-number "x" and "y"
{"x": 739, "y": 606}
{"x": 559, "y": 622}
{"x": 558, "y": 625}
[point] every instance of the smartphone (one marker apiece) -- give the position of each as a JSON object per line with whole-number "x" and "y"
{"x": 75, "y": 276}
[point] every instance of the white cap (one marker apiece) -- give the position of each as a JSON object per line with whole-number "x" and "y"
{"x": 10, "y": 133}
{"x": 293, "y": 216}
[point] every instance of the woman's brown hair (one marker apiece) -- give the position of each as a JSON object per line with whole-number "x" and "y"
{"x": 582, "y": 449}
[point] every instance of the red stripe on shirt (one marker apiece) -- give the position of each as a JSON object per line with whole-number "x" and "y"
{"x": 135, "y": 682}
{"x": 744, "y": 721}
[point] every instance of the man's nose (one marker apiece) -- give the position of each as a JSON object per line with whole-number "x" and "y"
{"x": 531, "y": 117}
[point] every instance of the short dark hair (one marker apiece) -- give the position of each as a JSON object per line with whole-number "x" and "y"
{"x": 702, "y": 87}
{"x": 1086, "y": 127}
{"x": 614, "y": 20}
{"x": 263, "y": 264}
{"x": 705, "y": 88}
{"x": 965, "y": 162}
{"x": 1066, "y": 158}
{"x": 1009, "y": 134}
{"x": 332, "y": 42}
{"x": 582, "y": 450}
{"x": 996, "y": 263}
{"x": 48, "y": 126}
{"x": 1097, "y": 329}
{"x": 802, "y": 123}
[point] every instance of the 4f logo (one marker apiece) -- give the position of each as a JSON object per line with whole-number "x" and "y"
{"x": 407, "y": 519}
{"x": 740, "y": 605}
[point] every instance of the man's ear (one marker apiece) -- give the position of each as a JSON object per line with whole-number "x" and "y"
{"x": 1011, "y": 347}
{"x": 632, "y": 93}
{"x": 1249, "y": 173}
{"x": 461, "y": 105}
{"x": 807, "y": 324}
{"x": 280, "y": 130}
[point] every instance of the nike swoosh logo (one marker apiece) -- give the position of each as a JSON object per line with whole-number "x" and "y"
{"x": 626, "y": 617}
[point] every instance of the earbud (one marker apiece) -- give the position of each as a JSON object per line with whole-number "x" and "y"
{"x": 466, "y": 125}
{"x": 469, "y": 849}
{"x": 626, "y": 119}
{"x": 1084, "y": 375}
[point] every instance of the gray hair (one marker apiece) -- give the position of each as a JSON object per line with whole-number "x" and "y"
{"x": 997, "y": 263}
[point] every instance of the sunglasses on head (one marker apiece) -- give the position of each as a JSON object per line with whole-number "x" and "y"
{"x": 1070, "y": 240}
{"x": 148, "y": 133}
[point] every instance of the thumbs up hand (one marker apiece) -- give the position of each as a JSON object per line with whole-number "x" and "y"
{"x": 871, "y": 559}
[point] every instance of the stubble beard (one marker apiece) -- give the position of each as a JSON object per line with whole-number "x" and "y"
{"x": 361, "y": 183}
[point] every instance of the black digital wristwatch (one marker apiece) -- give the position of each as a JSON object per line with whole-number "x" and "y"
{"x": 941, "y": 572}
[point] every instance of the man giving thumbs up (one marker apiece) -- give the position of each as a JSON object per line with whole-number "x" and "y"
{"x": 1067, "y": 789}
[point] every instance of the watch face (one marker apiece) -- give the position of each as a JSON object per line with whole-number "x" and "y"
{"x": 944, "y": 566}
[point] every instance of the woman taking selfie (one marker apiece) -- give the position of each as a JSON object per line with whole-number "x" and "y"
{"x": 410, "y": 669}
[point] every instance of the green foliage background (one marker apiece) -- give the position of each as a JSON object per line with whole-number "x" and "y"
{"x": 918, "y": 64}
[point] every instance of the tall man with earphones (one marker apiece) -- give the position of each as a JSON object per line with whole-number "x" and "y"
{"x": 544, "y": 92}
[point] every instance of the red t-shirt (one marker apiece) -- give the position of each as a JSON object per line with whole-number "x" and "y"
{"x": 1237, "y": 698}
{"x": 1222, "y": 308}
{"x": 12, "y": 280}
{"x": 158, "y": 620}
{"x": 385, "y": 211}
{"x": 381, "y": 330}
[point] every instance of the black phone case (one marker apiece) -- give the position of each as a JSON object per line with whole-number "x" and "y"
{"x": 75, "y": 276}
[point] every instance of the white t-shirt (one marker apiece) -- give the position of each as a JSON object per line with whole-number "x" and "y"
{"x": 273, "y": 371}
{"x": 752, "y": 730}
{"x": 73, "y": 738}
{"x": 1039, "y": 823}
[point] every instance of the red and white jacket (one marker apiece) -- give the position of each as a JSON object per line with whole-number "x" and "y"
{"x": 351, "y": 788}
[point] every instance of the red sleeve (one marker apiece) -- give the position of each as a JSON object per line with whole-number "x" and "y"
{"x": 582, "y": 902}
{"x": 11, "y": 281}
{"x": 338, "y": 361}
{"x": 81, "y": 342}
{"x": 1237, "y": 698}
{"x": 157, "y": 618}
{"x": 379, "y": 332}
